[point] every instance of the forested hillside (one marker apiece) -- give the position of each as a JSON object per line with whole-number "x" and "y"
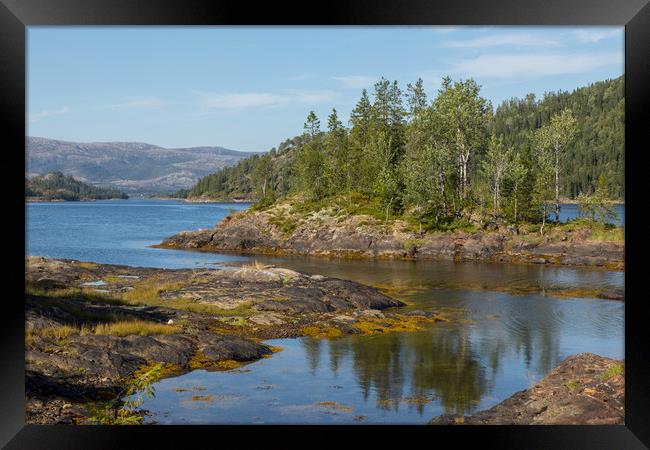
{"x": 599, "y": 145}
{"x": 272, "y": 170}
{"x": 448, "y": 158}
{"x": 56, "y": 186}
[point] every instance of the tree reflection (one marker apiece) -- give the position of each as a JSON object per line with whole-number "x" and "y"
{"x": 397, "y": 367}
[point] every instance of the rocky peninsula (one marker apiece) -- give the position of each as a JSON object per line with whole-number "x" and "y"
{"x": 92, "y": 328}
{"x": 285, "y": 229}
{"x": 585, "y": 389}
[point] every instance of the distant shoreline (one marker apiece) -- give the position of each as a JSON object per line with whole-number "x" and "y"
{"x": 60, "y": 200}
{"x": 229, "y": 200}
{"x": 188, "y": 200}
{"x": 569, "y": 201}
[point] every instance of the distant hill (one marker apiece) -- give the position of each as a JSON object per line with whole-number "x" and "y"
{"x": 129, "y": 166}
{"x": 56, "y": 186}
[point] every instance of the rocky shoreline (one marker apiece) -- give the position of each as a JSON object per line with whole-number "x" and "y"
{"x": 91, "y": 328}
{"x": 585, "y": 389}
{"x": 279, "y": 231}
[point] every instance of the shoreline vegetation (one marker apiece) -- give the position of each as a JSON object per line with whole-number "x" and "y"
{"x": 506, "y": 161}
{"x": 99, "y": 334}
{"x": 420, "y": 178}
{"x": 333, "y": 229}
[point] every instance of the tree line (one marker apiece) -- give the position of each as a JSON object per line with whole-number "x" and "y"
{"x": 447, "y": 158}
{"x": 57, "y": 186}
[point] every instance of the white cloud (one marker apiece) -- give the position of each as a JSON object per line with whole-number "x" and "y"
{"x": 48, "y": 113}
{"x": 323, "y": 96}
{"x": 236, "y": 100}
{"x": 242, "y": 100}
{"x": 517, "y": 40}
{"x": 534, "y": 65}
{"x": 593, "y": 36}
{"x": 135, "y": 102}
{"x": 356, "y": 81}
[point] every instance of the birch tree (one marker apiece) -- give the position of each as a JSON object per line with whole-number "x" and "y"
{"x": 466, "y": 115}
{"x": 263, "y": 172}
{"x": 543, "y": 190}
{"x": 495, "y": 165}
{"x": 555, "y": 138}
{"x": 518, "y": 174}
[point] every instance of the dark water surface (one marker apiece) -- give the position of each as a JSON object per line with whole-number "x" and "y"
{"x": 495, "y": 344}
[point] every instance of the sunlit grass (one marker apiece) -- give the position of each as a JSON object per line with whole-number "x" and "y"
{"x": 617, "y": 369}
{"x": 608, "y": 235}
{"x": 144, "y": 293}
{"x": 135, "y": 327}
{"x": 598, "y": 231}
{"x": 123, "y": 328}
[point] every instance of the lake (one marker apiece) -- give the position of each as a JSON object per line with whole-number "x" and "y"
{"x": 495, "y": 343}
{"x": 121, "y": 231}
{"x": 570, "y": 211}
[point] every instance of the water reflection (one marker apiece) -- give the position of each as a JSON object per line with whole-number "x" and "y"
{"x": 410, "y": 277}
{"x": 495, "y": 345}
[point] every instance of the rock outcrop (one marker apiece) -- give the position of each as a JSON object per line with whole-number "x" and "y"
{"x": 91, "y": 327}
{"x": 585, "y": 389}
{"x": 278, "y": 232}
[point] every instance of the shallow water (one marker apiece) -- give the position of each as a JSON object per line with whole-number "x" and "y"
{"x": 505, "y": 345}
{"x": 495, "y": 344}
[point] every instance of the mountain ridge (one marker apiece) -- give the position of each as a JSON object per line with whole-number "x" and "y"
{"x": 136, "y": 167}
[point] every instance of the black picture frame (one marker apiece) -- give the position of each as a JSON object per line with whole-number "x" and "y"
{"x": 16, "y": 15}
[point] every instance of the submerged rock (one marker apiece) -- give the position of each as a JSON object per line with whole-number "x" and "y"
{"x": 612, "y": 295}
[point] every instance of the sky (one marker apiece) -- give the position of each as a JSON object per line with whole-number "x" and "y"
{"x": 250, "y": 88}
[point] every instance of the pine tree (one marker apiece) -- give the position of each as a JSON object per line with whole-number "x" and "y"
{"x": 416, "y": 98}
{"x": 338, "y": 168}
{"x": 312, "y": 125}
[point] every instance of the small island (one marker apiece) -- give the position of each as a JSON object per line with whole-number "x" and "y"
{"x": 56, "y": 186}
{"x": 447, "y": 177}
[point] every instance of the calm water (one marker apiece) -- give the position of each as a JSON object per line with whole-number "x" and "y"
{"x": 571, "y": 211}
{"x": 495, "y": 344}
{"x": 121, "y": 231}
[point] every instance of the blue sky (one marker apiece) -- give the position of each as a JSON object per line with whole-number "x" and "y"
{"x": 249, "y": 88}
